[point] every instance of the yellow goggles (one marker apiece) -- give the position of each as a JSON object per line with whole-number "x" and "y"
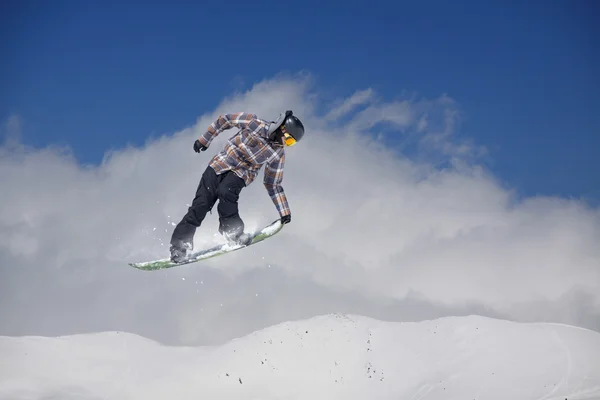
{"x": 289, "y": 140}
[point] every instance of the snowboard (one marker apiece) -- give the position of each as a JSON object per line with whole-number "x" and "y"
{"x": 217, "y": 250}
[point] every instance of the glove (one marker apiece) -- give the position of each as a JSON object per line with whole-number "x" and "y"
{"x": 286, "y": 219}
{"x": 199, "y": 146}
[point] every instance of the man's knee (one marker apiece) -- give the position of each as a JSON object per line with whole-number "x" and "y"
{"x": 229, "y": 193}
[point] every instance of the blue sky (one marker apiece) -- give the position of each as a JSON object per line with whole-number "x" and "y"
{"x": 98, "y": 75}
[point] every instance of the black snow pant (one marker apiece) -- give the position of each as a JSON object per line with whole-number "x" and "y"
{"x": 226, "y": 188}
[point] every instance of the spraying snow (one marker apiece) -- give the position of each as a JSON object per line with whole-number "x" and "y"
{"x": 325, "y": 357}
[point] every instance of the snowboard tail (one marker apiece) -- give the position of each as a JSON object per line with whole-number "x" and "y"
{"x": 220, "y": 249}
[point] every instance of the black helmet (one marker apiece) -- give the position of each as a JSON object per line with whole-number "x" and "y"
{"x": 294, "y": 126}
{"x": 291, "y": 123}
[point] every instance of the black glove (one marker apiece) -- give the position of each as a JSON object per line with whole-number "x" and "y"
{"x": 286, "y": 219}
{"x": 199, "y": 146}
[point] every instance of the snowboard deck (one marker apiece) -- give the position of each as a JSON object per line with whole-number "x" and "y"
{"x": 214, "y": 251}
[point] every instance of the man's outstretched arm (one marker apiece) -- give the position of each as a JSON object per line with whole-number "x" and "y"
{"x": 227, "y": 121}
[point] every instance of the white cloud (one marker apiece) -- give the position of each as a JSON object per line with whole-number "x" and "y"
{"x": 357, "y": 99}
{"x": 371, "y": 230}
{"x": 11, "y": 130}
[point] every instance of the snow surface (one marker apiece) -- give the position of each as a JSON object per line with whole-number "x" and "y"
{"x": 326, "y": 357}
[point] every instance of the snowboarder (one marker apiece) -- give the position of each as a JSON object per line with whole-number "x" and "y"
{"x": 258, "y": 143}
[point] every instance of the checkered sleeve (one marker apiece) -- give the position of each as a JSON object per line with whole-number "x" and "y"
{"x": 272, "y": 182}
{"x": 239, "y": 120}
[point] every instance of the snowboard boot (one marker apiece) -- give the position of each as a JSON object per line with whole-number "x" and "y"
{"x": 235, "y": 237}
{"x": 243, "y": 239}
{"x": 180, "y": 253}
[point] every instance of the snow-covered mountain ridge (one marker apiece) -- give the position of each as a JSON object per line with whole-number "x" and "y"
{"x": 333, "y": 356}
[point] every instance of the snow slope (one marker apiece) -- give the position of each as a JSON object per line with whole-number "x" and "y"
{"x": 326, "y": 357}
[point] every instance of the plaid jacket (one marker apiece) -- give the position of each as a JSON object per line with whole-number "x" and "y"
{"x": 247, "y": 151}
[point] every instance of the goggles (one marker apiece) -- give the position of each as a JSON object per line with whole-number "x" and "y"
{"x": 289, "y": 140}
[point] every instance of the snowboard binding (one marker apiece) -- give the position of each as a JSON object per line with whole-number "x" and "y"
{"x": 179, "y": 254}
{"x": 243, "y": 239}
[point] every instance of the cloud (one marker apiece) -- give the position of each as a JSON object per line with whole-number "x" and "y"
{"x": 11, "y": 130}
{"x": 375, "y": 230}
{"x": 358, "y": 98}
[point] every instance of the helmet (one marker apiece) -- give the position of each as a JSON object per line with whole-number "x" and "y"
{"x": 294, "y": 127}
{"x": 291, "y": 124}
